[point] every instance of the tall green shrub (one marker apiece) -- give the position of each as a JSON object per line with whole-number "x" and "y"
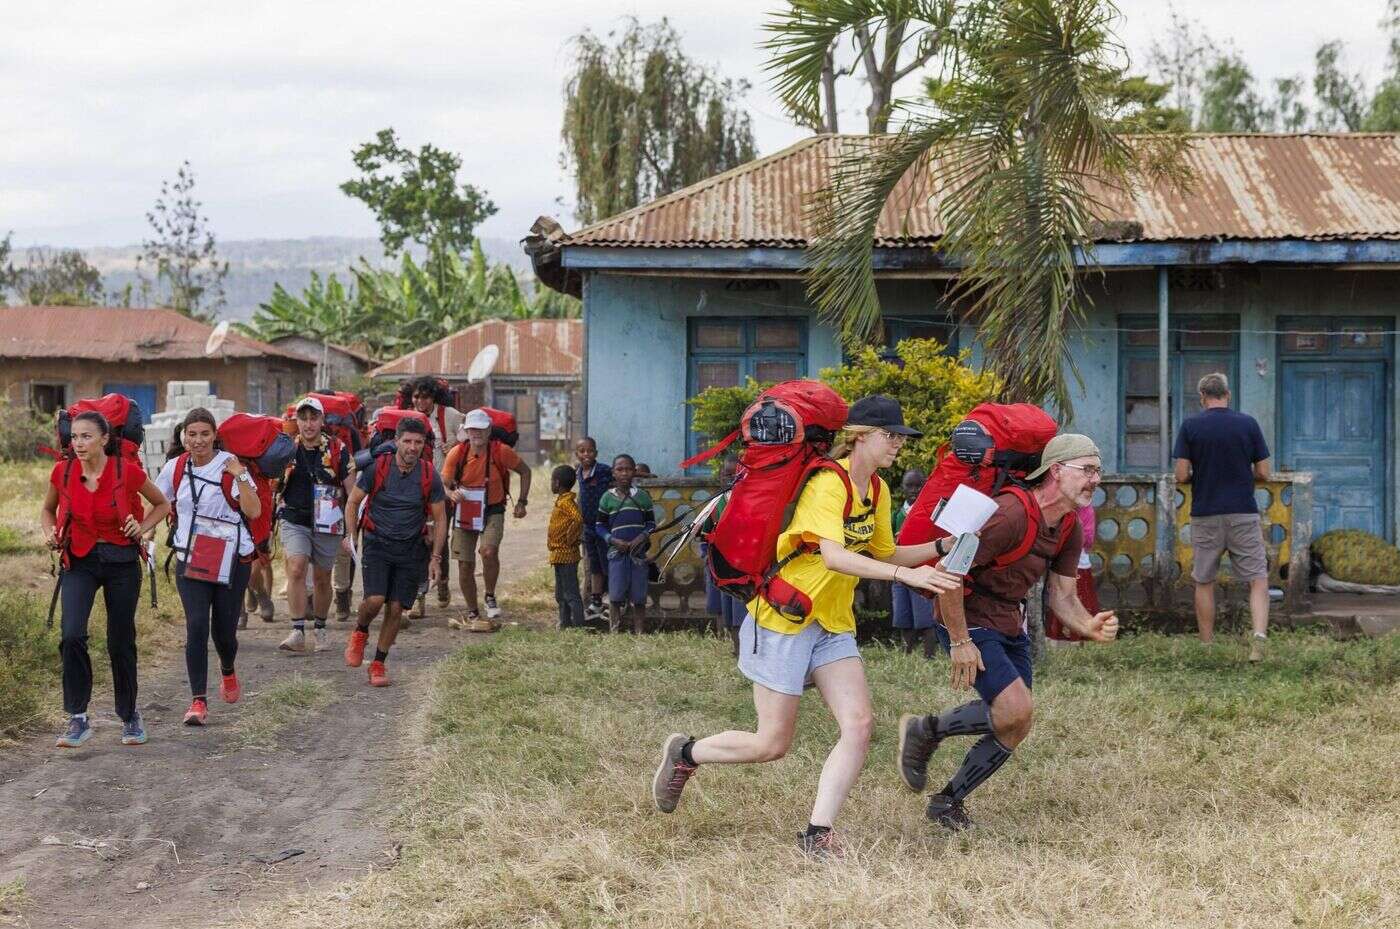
{"x": 22, "y": 431}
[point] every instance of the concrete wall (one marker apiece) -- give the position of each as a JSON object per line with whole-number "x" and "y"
{"x": 344, "y": 369}
{"x": 86, "y": 378}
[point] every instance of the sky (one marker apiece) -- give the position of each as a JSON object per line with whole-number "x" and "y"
{"x": 267, "y": 100}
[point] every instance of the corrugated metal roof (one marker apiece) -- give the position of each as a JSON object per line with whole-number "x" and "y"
{"x": 539, "y": 347}
{"x": 110, "y": 333}
{"x": 1295, "y": 186}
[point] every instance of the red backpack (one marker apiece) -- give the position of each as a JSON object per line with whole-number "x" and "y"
{"x": 123, "y": 417}
{"x": 386, "y": 425}
{"x": 259, "y": 441}
{"x": 788, "y": 432}
{"x": 503, "y": 427}
{"x": 443, "y": 396}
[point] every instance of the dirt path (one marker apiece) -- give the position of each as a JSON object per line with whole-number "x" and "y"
{"x": 185, "y": 829}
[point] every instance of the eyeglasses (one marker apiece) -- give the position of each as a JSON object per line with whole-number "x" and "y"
{"x": 1089, "y": 470}
{"x": 895, "y": 437}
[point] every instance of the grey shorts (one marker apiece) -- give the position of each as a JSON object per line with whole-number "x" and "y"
{"x": 1241, "y": 534}
{"x": 320, "y": 547}
{"x": 785, "y": 663}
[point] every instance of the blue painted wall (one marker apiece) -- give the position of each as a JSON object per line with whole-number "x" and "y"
{"x": 636, "y": 368}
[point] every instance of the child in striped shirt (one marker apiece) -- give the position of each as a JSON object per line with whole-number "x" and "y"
{"x": 626, "y": 518}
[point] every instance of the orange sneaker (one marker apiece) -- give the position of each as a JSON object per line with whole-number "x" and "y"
{"x": 230, "y": 689}
{"x": 198, "y": 713}
{"x": 355, "y": 648}
{"x": 378, "y": 676}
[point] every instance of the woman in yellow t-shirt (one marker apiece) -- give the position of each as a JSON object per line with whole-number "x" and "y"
{"x": 782, "y": 655}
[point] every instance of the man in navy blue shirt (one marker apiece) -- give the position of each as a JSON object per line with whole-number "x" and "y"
{"x": 1222, "y": 453}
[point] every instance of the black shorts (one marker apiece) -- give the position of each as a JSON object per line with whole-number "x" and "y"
{"x": 392, "y": 569}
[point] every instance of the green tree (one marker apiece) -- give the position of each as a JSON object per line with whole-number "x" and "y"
{"x": 183, "y": 250}
{"x": 815, "y": 43}
{"x": 326, "y": 311}
{"x": 56, "y": 278}
{"x": 641, "y": 120}
{"x": 415, "y": 197}
{"x": 1023, "y": 122}
{"x": 1229, "y": 101}
{"x": 7, "y": 268}
{"x": 1341, "y": 97}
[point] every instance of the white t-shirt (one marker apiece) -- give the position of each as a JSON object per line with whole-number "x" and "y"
{"x": 212, "y": 502}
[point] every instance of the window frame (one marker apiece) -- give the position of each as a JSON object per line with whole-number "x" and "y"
{"x": 747, "y": 357}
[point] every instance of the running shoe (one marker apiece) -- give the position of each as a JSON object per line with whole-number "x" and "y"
{"x": 378, "y": 674}
{"x": 230, "y": 689}
{"x": 198, "y": 713}
{"x": 492, "y": 610}
{"x": 76, "y": 734}
{"x": 916, "y": 747}
{"x": 242, "y": 619}
{"x": 319, "y": 638}
{"x": 671, "y": 774}
{"x": 1257, "y": 648}
{"x": 824, "y": 844}
{"x": 134, "y": 730}
{"x": 420, "y": 608}
{"x": 594, "y": 611}
{"x": 266, "y": 608}
{"x": 342, "y": 605}
{"x": 296, "y": 642}
{"x": 355, "y": 648}
{"x": 948, "y": 813}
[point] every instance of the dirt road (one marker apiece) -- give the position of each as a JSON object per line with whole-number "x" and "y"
{"x": 188, "y": 828}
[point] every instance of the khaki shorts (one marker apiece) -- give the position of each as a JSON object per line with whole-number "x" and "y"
{"x": 1241, "y": 534}
{"x": 464, "y": 543}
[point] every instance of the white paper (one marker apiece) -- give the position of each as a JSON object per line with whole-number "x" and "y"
{"x": 354, "y": 555}
{"x": 966, "y": 511}
{"x": 329, "y": 516}
{"x": 471, "y": 495}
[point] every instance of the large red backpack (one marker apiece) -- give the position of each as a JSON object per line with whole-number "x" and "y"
{"x": 259, "y": 443}
{"x": 344, "y": 416}
{"x": 503, "y": 427}
{"x": 124, "y": 440}
{"x": 787, "y": 432}
{"x": 385, "y": 427}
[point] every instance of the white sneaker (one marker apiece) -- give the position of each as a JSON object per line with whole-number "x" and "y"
{"x": 296, "y": 642}
{"x": 492, "y": 610}
{"x": 320, "y": 639}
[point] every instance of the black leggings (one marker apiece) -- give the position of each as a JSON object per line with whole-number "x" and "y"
{"x": 211, "y": 609}
{"x": 121, "y": 589}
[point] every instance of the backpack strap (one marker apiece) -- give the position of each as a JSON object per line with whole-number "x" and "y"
{"x": 381, "y": 474}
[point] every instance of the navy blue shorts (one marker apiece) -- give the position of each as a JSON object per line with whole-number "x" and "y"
{"x": 596, "y": 551}
{"x": 627, "y": 579}
{"x": 911, "y": 609}
{"x": 1004, "y": 658}
{"x": 392, "y": 569}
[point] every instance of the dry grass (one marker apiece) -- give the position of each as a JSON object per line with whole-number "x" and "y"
{"x": 277, "y": 706}
{"x": 1166, "y": 785}
{"x": 12, "y": 899}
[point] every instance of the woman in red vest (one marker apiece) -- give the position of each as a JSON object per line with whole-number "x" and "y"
{"x": 90, "y": 515}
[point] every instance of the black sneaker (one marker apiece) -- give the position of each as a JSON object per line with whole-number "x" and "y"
{"x": 824, "y": 844}
{"x": 948, "y": 813}
{"x": 916, "y": 747}
{"x": 671, "y": 775}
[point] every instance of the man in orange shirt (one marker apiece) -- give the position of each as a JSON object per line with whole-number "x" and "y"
{"x": 476, "y": 474}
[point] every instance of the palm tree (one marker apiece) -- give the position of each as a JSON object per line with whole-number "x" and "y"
{"x": 1025, "y": 136}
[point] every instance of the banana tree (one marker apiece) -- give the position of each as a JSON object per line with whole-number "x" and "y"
{"x": 1026, "y": 139}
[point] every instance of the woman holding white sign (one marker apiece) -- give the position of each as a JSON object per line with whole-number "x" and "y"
{"x": 214, "y": 553}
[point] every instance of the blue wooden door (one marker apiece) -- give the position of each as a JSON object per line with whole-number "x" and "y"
{"x": 143, "y": 395}
{"x": 1333, "y": 423}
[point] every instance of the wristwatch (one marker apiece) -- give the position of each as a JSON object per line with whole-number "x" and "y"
{"x": 246, "y": 478}
{"x": 938, "y": 546}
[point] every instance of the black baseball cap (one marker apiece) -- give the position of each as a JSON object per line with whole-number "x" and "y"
{"x": 879, "y": 410}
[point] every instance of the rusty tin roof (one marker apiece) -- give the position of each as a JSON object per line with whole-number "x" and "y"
{"x": 539, "y": 347}
{"x": 110, "y": 333}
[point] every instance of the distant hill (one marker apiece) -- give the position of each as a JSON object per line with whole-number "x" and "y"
{"x": 257, "y": 265}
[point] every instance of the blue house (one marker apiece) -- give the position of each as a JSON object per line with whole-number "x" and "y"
{"x": 1280, "y": 266}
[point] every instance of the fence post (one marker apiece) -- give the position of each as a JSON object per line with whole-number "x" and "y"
{"x": 1164, "y": 555}
{"x": 1295, "y": 593}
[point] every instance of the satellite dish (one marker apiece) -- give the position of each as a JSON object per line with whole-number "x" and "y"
{"x": 483, "y": 364}
{"x": 216, "y": 338}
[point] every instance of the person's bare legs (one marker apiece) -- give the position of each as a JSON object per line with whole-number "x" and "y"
{"x": 1011, "y": 715}
{"x": 639, "y": 618}
{"x": 490, "y": 568}
{"x": 466, "y": 577}
{"x": 321, "y": 595}
{"x": 843, "y": 688}
{"x": 777, "y": 718}
{"x": 1259, "y": 605}
{"x": 369, "y": 608}
{"x": 296, "y": 585}
{"x": 1205, "y": 611}
{"x": 389, "y": 629}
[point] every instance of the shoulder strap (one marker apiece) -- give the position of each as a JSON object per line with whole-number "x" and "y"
{"x": 1033, "y": 522}
{"x": 123, "y": 498}
{"x": 425, "y": 475}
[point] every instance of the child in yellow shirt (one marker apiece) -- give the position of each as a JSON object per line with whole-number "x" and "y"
{"x": 565, "y": 533}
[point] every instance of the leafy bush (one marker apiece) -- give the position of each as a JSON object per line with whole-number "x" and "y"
{"x": 1358, "y": 557}
{"x": 22, "y": 431}
{"x": 934, "y": 389}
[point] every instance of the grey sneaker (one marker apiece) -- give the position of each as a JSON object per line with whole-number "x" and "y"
{"x": 296, "y": 642}
{"x": 671, "y": 774}
{"x": 266, "y": 608}
{"x": 76, "y": 734}
{"x": 134, "y": 730}
{"x": 492, "y": 610}
{"x": 916, "y": 747}
{"x": 948, "y": 813}
{"x": 822, "y": 845}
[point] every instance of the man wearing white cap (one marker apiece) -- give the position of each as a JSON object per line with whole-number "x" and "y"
{"x": 476, "y": 474}
{"x": 983, "y": 626}
{"x": 312, "y": 520}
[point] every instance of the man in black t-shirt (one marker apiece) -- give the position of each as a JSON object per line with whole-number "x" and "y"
{"x": 312, "y": 521}
{"x": 1222, "y": 453}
